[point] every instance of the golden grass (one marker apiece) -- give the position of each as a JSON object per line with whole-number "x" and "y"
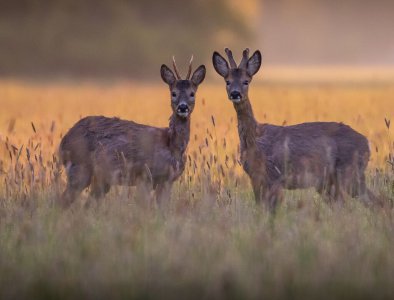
{"x": 59, "y": 106}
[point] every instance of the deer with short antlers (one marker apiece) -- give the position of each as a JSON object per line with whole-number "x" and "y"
{"x": 332, "y": 157}
{"x": 100, "y": 152}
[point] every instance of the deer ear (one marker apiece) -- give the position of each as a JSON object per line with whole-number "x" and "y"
{"x": 167, "y": 75}
{"x": 254, "y": 63}
{"x": 198, "y": 75}
{"x": 220, "y": 64}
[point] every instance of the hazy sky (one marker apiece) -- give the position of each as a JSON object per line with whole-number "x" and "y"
{"x": 313, "y": 32}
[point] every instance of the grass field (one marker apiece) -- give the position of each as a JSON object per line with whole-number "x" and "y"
{"x": 212, "y": 242}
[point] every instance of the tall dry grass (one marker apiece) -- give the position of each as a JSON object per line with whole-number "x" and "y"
{"x": 212, "y": 241}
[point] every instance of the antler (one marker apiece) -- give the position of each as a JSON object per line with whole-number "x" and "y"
{"x": 175, "y": 68}
{"x": 231, "y": 60}
{"x": 177, "y": 72}
{"x": 245, "y": 57}
{"x": 190, "y": 68}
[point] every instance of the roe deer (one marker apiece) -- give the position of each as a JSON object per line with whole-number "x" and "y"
{"x": 100, "y": 152}
{"x": 332, "y": 157}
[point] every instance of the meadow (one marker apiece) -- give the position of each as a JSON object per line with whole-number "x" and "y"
{"x": 212, "y": 241}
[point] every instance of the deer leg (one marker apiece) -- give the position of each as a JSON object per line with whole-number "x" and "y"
{"x": 362, "y": 192}
{"x": 68, "y": 196}
{"x": 325, "y": 193}
{"x": 338, "y": 192}
{"x": 101, "y": 190}
{"x": 98, "y": 188}
{"x": 78, "y": 178}
{"x": 326, "y": 189}
{"x": 340, "y": 186}
{"x": 366, "y": 196}
{"x": 351, "y": 181}
{"x": 273, "y": 196}
{"x": 258, "y": 191}
{"x": 163, "y": 194}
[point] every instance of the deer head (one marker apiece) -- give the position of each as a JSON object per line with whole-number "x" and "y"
{"x": 237, "y": 78}
{"x": 183, "y": 91}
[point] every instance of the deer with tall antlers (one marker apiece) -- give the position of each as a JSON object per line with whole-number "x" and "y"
{"x": 332, "y": 157}
{"x": 100, "y": 152}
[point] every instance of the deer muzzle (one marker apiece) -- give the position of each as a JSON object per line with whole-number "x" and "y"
{"x": 183, "y": 110}
{"x": 235, "y": 96}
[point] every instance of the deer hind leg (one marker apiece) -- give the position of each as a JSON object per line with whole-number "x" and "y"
{"x": 341, "y": 185}
{"x": 359, "y": 190}
{"x": 350, "y": 182}
{"x": 78, "y": 178}
{"x": 327, "y": 188}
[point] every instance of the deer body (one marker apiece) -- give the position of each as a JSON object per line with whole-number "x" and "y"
{"x": 100, "y": 152}
{"x": 114, "y": 151}
{"x": 329, "y": 156}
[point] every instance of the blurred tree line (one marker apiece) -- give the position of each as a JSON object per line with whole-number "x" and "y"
{"x": 112, "y": 37}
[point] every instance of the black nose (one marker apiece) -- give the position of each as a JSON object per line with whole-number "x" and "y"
{"x": 235, "y": 95}
{"x": 183, "y": 108}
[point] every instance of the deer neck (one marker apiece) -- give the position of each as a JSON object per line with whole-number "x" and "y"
{"x": 179, "y": 134}
{"x": 247, "y": 124}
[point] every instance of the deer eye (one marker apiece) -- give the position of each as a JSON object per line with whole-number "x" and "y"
{"x": 246, "y": 82}
{"x": 173, "y": 94}
{"x": 228, "y": 82}
{"x": 191, "y": 94}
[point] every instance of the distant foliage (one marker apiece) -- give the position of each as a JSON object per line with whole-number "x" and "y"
{"x": 107, "y": 37}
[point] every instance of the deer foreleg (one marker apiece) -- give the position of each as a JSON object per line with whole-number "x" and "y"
{"x": 258, "y": 191}
{"x": 78, "y": 178}
{"x": 163, "y": 193}
{"x": 273, "y": 196}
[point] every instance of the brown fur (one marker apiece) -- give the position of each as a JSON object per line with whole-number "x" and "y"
{"x": 100, "y": 152}
{"x": 331, "y": 157}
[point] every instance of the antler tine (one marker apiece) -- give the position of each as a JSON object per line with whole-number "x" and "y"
{"x": 175, "y": 68}
{"x": 189, "y": 72}
{"x": 231, "y": 60}
{"x": 245, "y": 57}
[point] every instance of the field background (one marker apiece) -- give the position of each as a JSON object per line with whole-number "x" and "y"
{"x": 63, "y": 60}
{"x": 54, "y": 107}
{"x": 212, "y": 241}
